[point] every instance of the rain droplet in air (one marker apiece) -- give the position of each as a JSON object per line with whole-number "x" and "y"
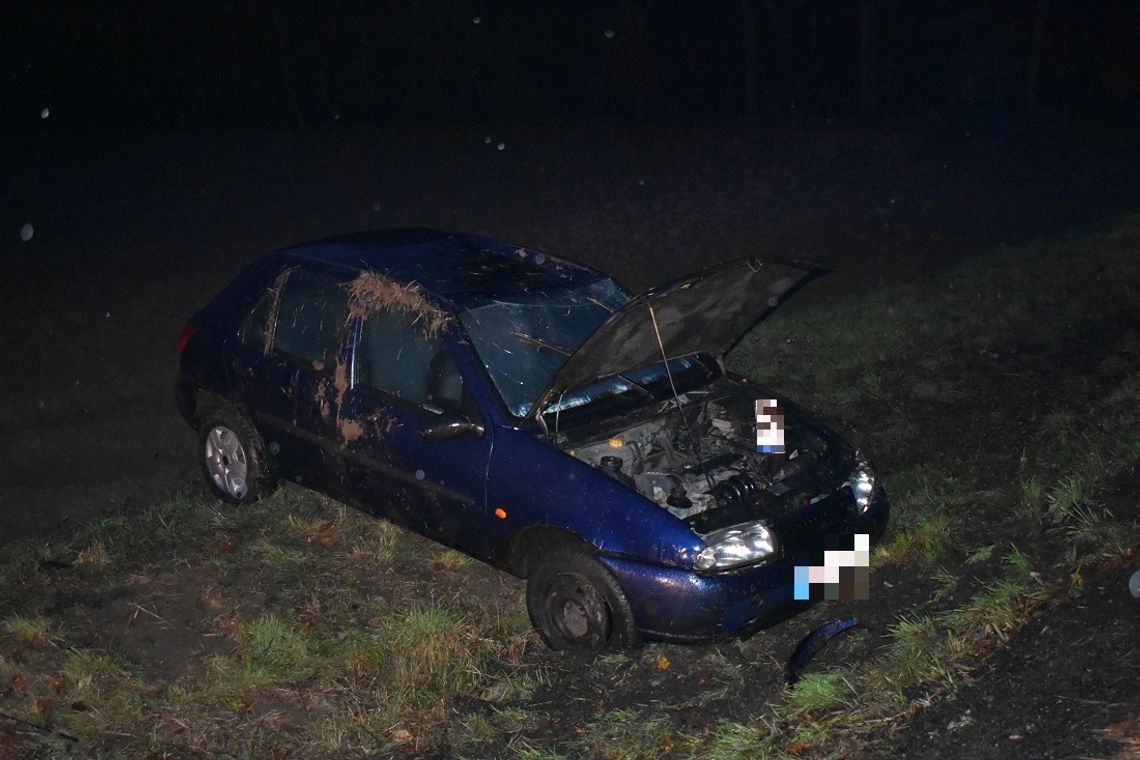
{"x": 540, "y": 259}
{"x": 487, "y": 140}
{"x": 501, "y": 146}
{"x": 609, "y": 34}
{"x": 26, "y": 232}
{"x": 476, "y": 20}
{"x": 46, "y": 112}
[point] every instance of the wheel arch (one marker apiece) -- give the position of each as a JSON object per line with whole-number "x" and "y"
{"x": 206, "y": 402}
{"x": 545, "y": 538}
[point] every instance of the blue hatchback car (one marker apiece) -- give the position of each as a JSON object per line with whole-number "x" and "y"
{"x": 527, "y": 411}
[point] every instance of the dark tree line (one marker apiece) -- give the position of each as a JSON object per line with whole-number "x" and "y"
{"x": 281, "y": 63}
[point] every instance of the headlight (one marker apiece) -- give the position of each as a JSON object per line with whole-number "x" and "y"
{"x": 737, "y": 545}
{"x": 862, "y": 483}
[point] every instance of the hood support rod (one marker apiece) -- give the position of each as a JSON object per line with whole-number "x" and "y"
{"x": 676, "y": 396}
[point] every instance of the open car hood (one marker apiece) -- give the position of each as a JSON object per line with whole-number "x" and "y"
{"x": 702, "y": 313}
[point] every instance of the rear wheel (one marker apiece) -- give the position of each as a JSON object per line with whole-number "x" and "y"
{"x": 576, "y": 604}
{"x": 233, "y": 457}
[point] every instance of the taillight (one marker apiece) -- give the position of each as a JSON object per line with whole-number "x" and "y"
{"x": 187, "y": 333}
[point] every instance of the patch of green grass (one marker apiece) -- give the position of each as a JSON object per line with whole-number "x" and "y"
{"x": 274, "y": 552}
{"x": 921, "y": 521}
{"x": 626, "y": 734}
{"x": 274, "y": 647}
{"x": 1018, "y": 560}
{"x": 512, "y": 719}
{"x": 1001, "y": 608}
{"x": 31, "y": 630}
{"x": 478, "y": 727}
{"x": 1032, "y": 492}
{"x": 1030, "y": 506}
{"x": 93, "y": 555}
{"x": 1067, "y": 499}
{"x": 928, "y": 537}
{"x": 516, "y": 686}
{"x": 524, "y": 750}
{"x": 269, "y": 652}
{"x": 818, "y": 691}
{"x": 730, "y": 740}
{"x": 917, "y": 653}
{"x": 84, "y": 666}
{"x": 376, "y": 543}
{"x": 945, "y": 581}
{"x": 101, "y": 692}
{"x": 429, "y": 656}
{"x": 912, "y": 635}
{"x": 979, "y": 555}
{"x": 1070, "y": 505}
{"x": 452, "y": 560}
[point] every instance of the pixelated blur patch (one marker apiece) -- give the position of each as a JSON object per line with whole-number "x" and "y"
{"x": 843, "y": 574}
{"x": 769, "y": 426}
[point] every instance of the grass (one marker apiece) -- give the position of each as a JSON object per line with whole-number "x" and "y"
{"x": 924, "y": 526}
{"x": 30, "y": 630}
{"x": 285, "y": 617}
{"x": 937, "y": 490}
{"x": 731, "y": 740}
{"x": 296, "y": 624}
{"x": 818, "y": 691}
{"x": 1018, "y": 560}
{"x": 625, "y": 734}
{"x": 1071, "y": 506}
{"x": 428, "y": 656}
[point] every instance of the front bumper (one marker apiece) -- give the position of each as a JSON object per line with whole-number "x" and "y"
{"x": 671, "y": 604}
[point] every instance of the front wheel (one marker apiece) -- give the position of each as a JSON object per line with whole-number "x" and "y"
{"x": 233, "y": 458}
{"x": 576, "y": 604}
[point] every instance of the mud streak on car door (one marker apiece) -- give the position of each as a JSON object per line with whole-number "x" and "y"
{"x": 438, "y": 488}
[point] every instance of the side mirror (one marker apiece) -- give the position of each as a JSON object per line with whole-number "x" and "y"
{"x": 445, "y": 431}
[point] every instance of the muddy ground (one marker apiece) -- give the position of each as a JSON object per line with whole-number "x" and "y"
{"x": 132, "y": 234}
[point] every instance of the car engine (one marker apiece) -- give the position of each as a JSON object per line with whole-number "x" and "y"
{"x": 703, "y": 456}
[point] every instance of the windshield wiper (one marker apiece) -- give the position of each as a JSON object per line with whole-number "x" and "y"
{"x": 600, "y": 305}
{"x": 541, "y": 343}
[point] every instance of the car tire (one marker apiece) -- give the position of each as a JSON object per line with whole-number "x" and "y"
{"x": 576, "y": 604}
{"x": 233, "y": 457}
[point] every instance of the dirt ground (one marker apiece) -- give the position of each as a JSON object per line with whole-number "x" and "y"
{"x": 131, "y": 234}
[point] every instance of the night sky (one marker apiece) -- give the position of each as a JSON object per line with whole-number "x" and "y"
{"x": 161, "y": 64}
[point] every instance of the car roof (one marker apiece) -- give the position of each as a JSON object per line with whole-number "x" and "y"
{"x": 459, "y": 271}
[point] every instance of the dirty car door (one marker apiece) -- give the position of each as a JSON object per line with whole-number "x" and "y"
{"x": 294, "y": 340}
{"x": 403, "y": 381}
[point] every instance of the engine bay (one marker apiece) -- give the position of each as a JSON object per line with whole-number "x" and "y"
{"x": 701, "y": 456}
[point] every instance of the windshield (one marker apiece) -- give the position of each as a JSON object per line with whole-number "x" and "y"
{"x": 523, "y": 344}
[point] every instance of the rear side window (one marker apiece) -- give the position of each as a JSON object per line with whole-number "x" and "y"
{"x": 311, "y": 310}
{"x": 392, "y": 355}
{"x": 256, "y": 332}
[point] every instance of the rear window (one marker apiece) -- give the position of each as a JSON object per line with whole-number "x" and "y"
{"x": 305, "y": 320}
